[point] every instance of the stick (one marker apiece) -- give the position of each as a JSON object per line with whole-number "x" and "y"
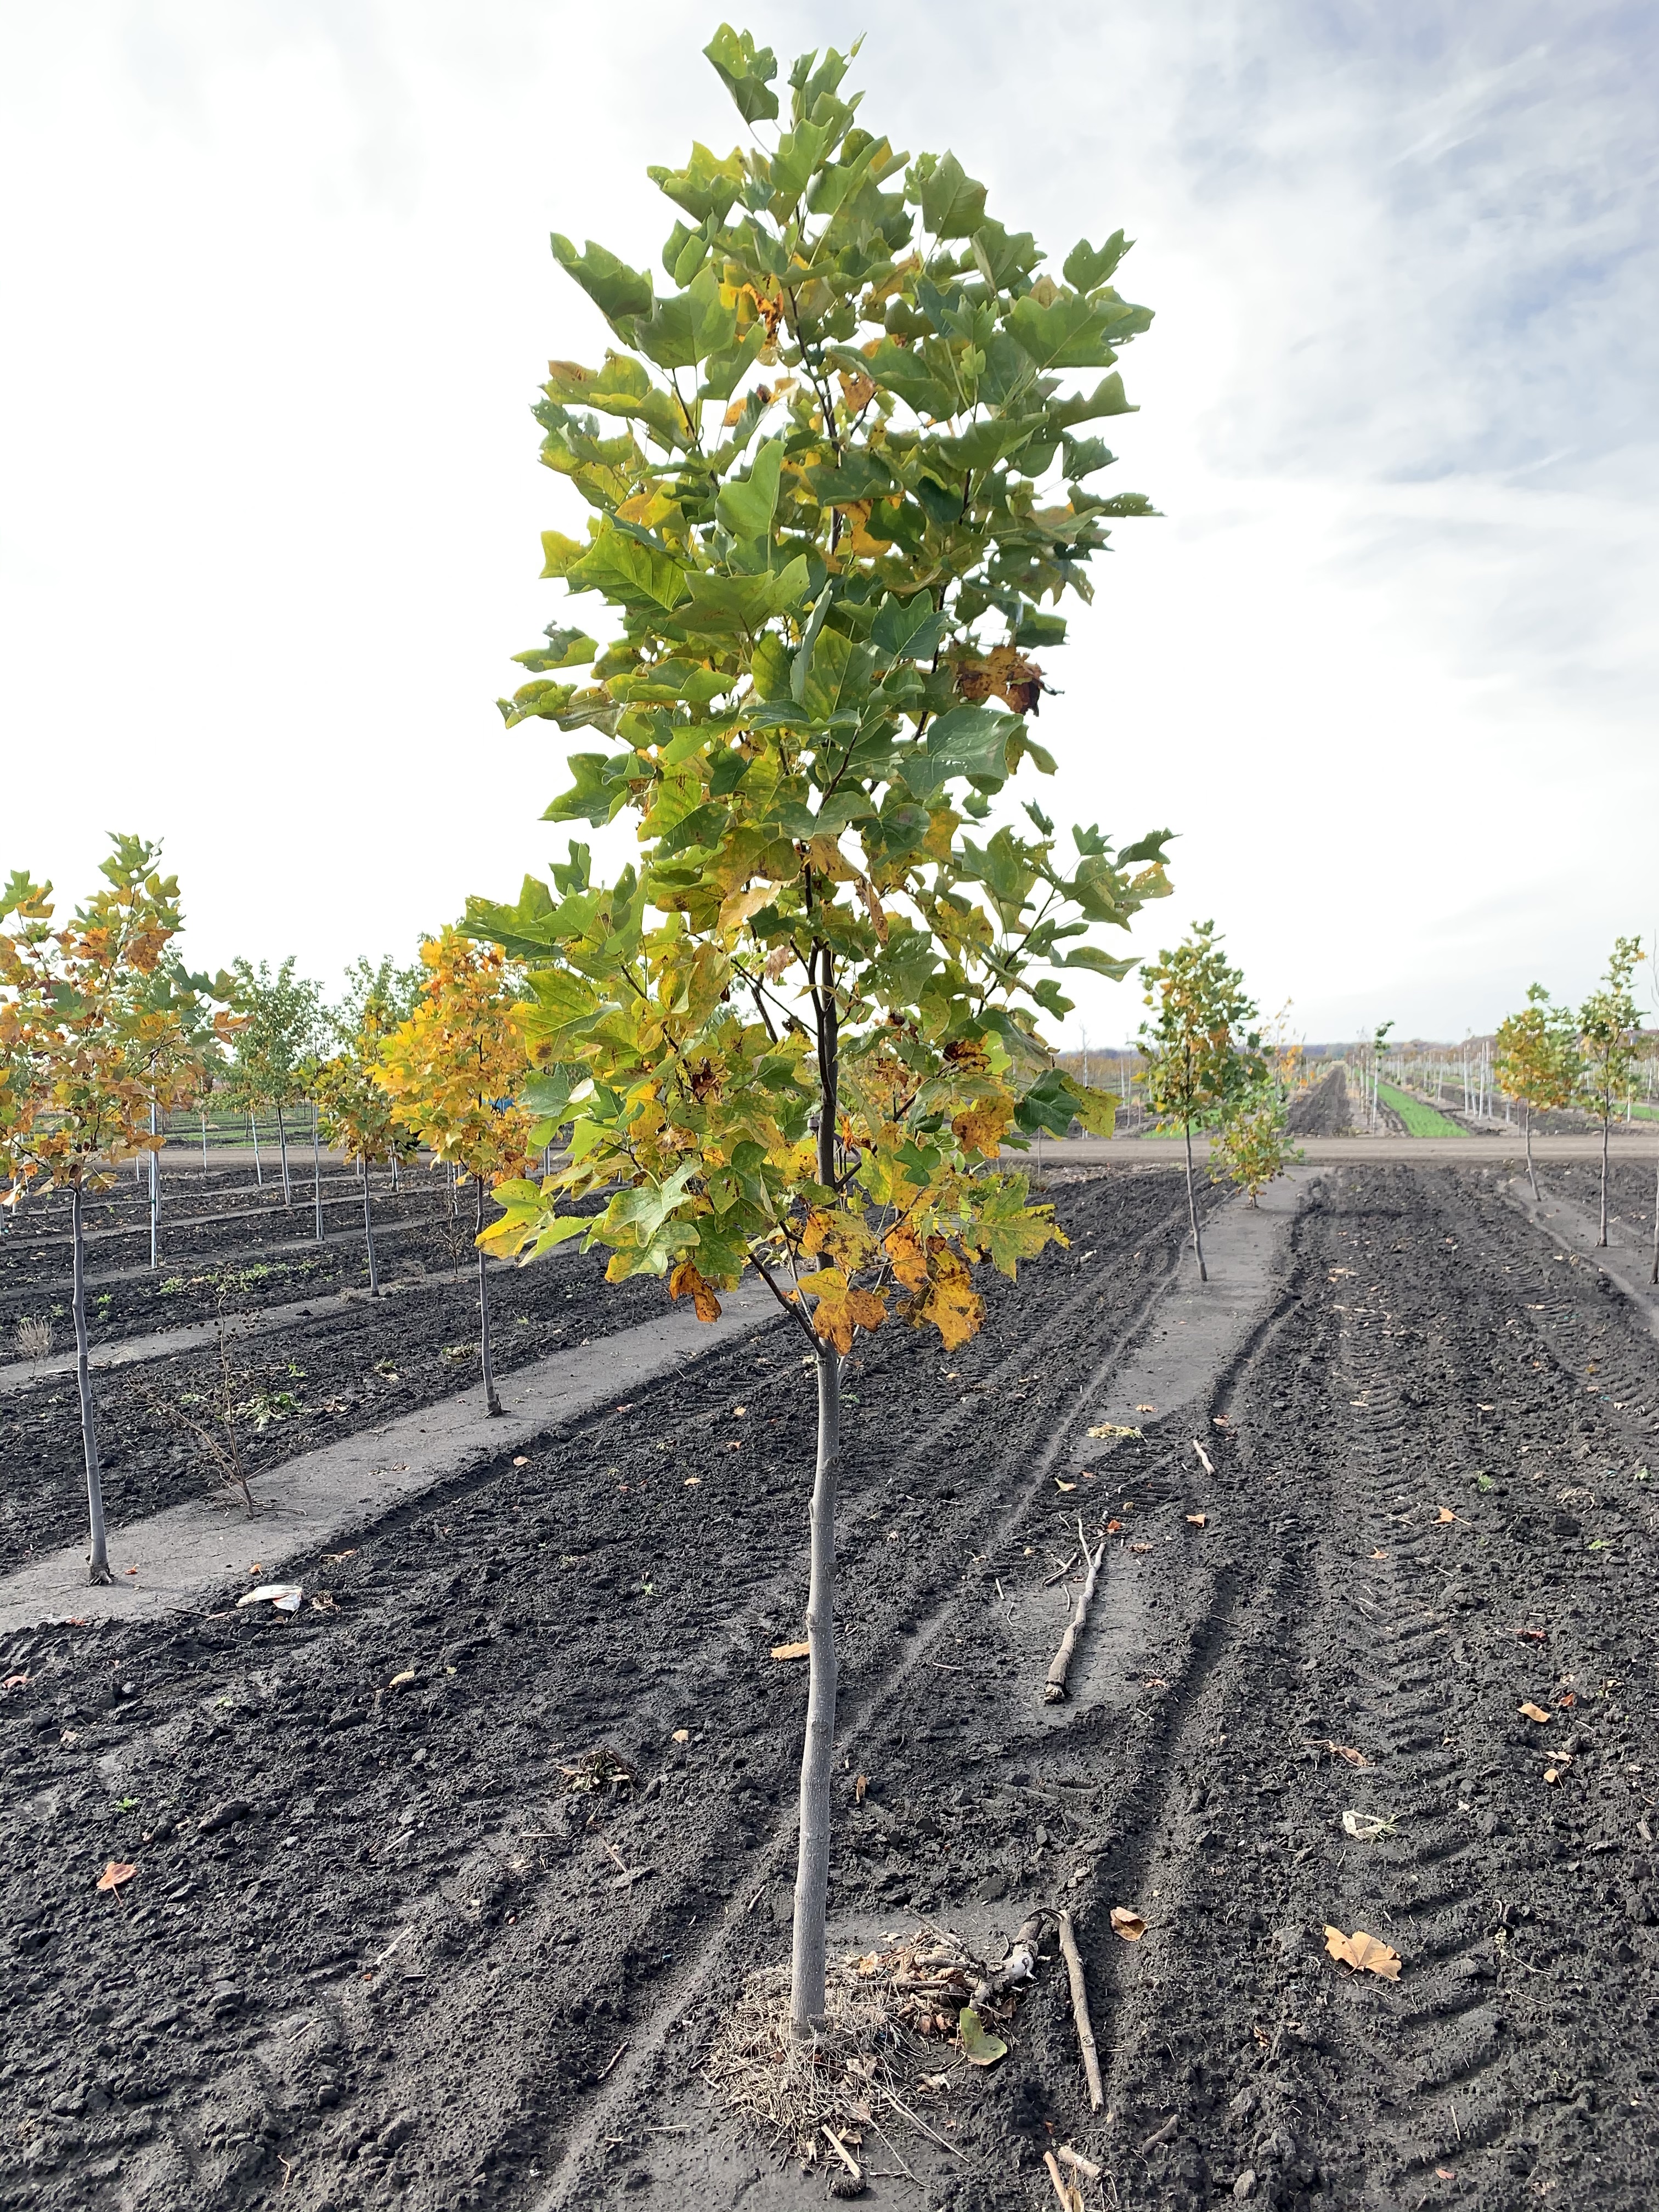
{"x": 1060, "y": 1575}
{"x": 843, "y": 2154}
{"x": 1070, "y": 2196}
{"x": 1053, "y": 1691}
{"x": 1085, "y": 2033}
{"x": 1020, "y": 1963}
{"x": 1203, "y": 1457}
{"x": 1075, "y": 2158}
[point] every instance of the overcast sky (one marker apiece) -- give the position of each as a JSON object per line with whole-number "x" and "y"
{"x": 277, "y": 295}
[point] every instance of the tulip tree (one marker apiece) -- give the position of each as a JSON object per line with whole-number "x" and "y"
{"x": 1537, "y": 1061}
{"x": 1609, "y": 1039}
{"x": 283, "y": 1020}
{"x": 102, "y": 1032}
{"x": 1203, "y": 1062}
{"x": 836, "y": 470}
{"x": 356, "y": 1113}
{"x": 452, "y": 1071}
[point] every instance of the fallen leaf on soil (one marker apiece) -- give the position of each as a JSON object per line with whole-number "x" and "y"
{"x": 979, "y": 2046}
{"x": 1447, "y": 2172}
{"x": 285, "y": 1597}
{"x": 1145, "y": 1409}
{"x": 1365, "y": 1826}
{"x": 791, "y": 1650}
{"x": 115, "y": 1874}
{"x": 1445, "y": 1514}
{"x": 1364, "y": 1953}
{"x": 1059, "y": 1485}
{"x": 521, "y": 1461}
{"x": 1534, "y": 1713}
{"x": 681, "y": 1735}
{"x": 1568, "y": 1700}
{"x": 1196, "y": 1520}
{"x": 1112, "y": 1528}
{"x": 1552, "y": 1774}
{"x": 1532, "y": 1634}
{"x": 860, "y": 1787}
{"x": 1141, "y": 1548}
{"x": 402, "y": 1681}
{"x": 1115, "y": 1429}
{"x": 1379, "y": 1555}
{"x": 693, "y": 1482}
{"x": 15, "y": 1683}
{"x": 1128, "y": 1924}
{"x": 129, "y": 1570}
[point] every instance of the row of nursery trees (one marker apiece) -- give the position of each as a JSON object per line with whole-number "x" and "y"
{"x": 840, "y": 481}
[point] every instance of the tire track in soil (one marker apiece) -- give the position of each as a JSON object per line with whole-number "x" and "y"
{"x": 525, "y": 2090}
{"x": 1241, "y": 2059}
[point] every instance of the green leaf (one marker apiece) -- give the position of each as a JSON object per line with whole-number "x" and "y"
{"x": 1087, "y": 265}
{"x": 1096, "y": 1109}
{"x": 617, "y": 291}
{"x": 902, "y": 370}
{"x": 908, "y": 629}
{"x": 979, "y": 2046}
{"x": 706, "y": 186}
{"x": 560, "y": 554}
{"x": 627, "y": 572}
{"x": 600, "y": 791}
{"x": 565, "y": 648}
{"x": 1065, "y": 334}
{"x": 952, "y": 204}
{"x": 747, "y": 506}
{"x": 970, "y": 741}
{"x": 746, "y": 72}
{"x": 687, "y": 328}
{"x": 1106, "y": 398}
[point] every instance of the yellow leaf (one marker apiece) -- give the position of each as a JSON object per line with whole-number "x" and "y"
{"x": 1534, "y": 1713}
{"x": 904, "y": 1250}
{"x": 684, "y": 1281}
{"x": 981, "y": 1128}
{"x": 1364, "y": 1953}
{"x": 741, "y": 905}
{"x": 840, "y": 1309}
{"x": 1059, "y": 1485}
{"x": 1113, "y": 1429}
{"x": 800, "y": 1651}
{"x": 949, "y": 1301}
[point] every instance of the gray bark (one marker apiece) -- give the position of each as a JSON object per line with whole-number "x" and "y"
{"x": 807, "y": 1994}
{"x": 1606, "y": 1125}
{"x": 98, "y": 1560}
{"x": 317, "y": 1171}
{"x": 1531, "y": 1172}
{"x": 259, "y": 1169}
{"x": 281, "y": 1139}
{"x": 492, "y": 1403}
{"x": 368, "y": 1238}
{"x": 1191, "y": 1206}
{"x": 154, "y": 1193}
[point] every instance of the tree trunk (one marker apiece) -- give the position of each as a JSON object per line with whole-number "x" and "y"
{"x": 205, "y": 1158}
{"x": 1531, "y": 1172}
{"x": 317, "y": 1170}
{"x": 492, "y": 1403}
{"x": 1192, "y": 1207}
{"x": 807, "y": 1994}
{"x": 1607, "y": 1126}
{"x": 368, "y": 1237}
{"x": 281, "y": 1139}
{"x": 258, "y": 1169}
{"x": 154, "y": 1193}
{"x": 1654, "y": 1277}
{"x": 97, "y": 1565}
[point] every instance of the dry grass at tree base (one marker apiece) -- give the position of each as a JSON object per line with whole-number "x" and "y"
{"x": 889, "y": 2055}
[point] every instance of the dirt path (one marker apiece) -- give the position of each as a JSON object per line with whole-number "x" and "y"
{"x": 396, "y": 1769}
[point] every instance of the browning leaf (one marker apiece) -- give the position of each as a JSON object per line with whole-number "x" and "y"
{"x": 1534, "y": 1713}
{"x": 1128, "y": 1924}
{"x": 840, "y": 1309}
{"x": 115, "y": 1874}
{"x": 801, "y": 1651}
{"x": 1365, "y": 1953}
{"x": 684, "y": 1281}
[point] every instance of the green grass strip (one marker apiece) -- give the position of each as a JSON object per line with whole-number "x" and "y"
{"x": 1420, "y": 1120}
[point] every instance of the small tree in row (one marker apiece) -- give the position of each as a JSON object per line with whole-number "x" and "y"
{"x": 1609, "y": 1043}
{"x": 823, "y": 471}
{"x": 1537, "y": 1062}
{"x": 1203, "y": 1064}
{"x": 452, "y": 1071}
{"x": 356, "y": 1113}
{"x": 101, "y": 1033}
{"x": 283, "y": 1030}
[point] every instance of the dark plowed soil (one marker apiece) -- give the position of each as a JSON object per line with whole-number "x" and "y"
{"x": 1322, "y": 1111}
{"x": 1439, "y": 1437}
{"x": 307, "y": 1383}
{"x": 1630, "y": 1189}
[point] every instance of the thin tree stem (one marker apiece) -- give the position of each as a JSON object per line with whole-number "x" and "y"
{"x": 1192, "y": 1206}
{"x": 316, "y": 1169}
{"x": 368, "y": 1236}
{"x": 492, "y": 1403}
{"x": 1531, "y": 1172}
{"x": 281, "y": 1139}
{"x": 97, "y": 1563}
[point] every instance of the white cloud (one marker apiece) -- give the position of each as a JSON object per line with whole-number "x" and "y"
{"x": 280, "y": 292}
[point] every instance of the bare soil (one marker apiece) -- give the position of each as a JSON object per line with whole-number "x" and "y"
{"x": 445, "y": 1887}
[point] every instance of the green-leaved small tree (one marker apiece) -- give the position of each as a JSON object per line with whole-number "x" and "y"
{"x": 1537, "y": 1061}
{"x": 1609, "y": 1040}
{"x": 834, "y": 473}
{"x": 282, "y": 1025}
{"x": 1203, "y": 1062}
